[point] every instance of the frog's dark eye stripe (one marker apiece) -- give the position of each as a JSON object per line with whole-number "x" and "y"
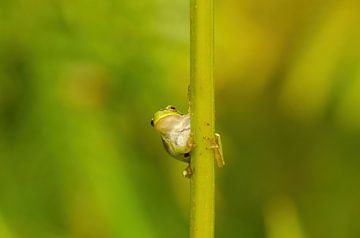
{"x": 152, "y": 122}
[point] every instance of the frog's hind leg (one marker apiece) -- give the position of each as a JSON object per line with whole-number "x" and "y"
{"x": 187, "y": 173}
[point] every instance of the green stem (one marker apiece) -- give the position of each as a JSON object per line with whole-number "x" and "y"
{"x": 202, "y": 118}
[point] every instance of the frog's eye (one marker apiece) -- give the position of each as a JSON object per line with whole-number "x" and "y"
{"x": 152, "y": 122}
{"x": 171, "y": 108}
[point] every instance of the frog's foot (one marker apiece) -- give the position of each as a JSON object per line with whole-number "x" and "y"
{"x": 187, "y": 173}
{"x": 217, "y": 147}
{"x": 190, "y": 142}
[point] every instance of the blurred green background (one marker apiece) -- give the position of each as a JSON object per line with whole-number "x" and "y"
{"x": 80, "y": 80}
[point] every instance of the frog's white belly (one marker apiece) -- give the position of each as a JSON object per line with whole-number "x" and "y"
{"x": 180, "y": 133}
{"x": 180, "y": 138}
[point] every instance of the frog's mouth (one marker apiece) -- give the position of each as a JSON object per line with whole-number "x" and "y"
{"x": 163, "y": 114}
{"x": 166, "y": 124}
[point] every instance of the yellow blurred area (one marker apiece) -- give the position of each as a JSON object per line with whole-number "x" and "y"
{"x": 282, "y": 220}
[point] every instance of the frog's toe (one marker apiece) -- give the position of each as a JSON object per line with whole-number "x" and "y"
{"x": 187, "y": 173}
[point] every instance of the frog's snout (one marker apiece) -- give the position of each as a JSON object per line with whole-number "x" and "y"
{"x": 152, "y": 122}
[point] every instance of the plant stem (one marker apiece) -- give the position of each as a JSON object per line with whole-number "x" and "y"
{"x": 202, "y": 118}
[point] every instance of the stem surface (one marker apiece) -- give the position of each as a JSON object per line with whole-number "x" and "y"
{"x": 202, "y": 118}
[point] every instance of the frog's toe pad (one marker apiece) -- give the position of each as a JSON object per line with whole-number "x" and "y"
{"x": 187, "y": 173}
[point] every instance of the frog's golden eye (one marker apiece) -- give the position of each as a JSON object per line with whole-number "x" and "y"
{"x": 152, "y": 122}
{"x": 171, "y": 108}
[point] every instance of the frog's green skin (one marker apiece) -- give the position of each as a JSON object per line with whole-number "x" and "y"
{"x": 174, "y": 128}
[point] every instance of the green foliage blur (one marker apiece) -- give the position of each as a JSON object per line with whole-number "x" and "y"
{"x": 80, "y": 80}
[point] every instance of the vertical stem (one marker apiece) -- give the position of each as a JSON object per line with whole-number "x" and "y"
{"x": 202, "y": 118}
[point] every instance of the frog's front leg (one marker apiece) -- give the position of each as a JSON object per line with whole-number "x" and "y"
{"x": 187, "y": 173}
{"x": 190, "y": 142}
{"x": 216, "y": 145}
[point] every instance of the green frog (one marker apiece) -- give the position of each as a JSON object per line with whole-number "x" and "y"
{"x": 174, "y": 129}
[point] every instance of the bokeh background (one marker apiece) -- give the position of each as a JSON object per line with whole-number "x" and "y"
{"x": 80, "y": 80}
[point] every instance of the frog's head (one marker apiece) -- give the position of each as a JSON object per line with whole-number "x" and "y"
{"x": 164, "y": 119}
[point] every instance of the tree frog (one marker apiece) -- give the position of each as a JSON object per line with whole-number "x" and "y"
{"x": 174, "y": 128}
